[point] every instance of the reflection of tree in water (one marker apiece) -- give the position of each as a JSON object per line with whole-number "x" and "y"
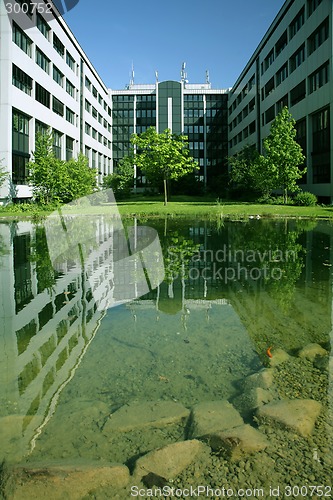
{"x": 274, "y": 246}
{"x": 177, "y": 252}
{"x": 46, "y": 276}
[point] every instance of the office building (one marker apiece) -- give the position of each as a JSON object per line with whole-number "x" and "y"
{"x": 47, "y": 81}
{"x": 292, "y": 66}
{"x": 195, "y": 110}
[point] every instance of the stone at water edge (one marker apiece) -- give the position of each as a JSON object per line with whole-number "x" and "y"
{"x": 60, "y": 482}
{"x": 144, "y": 415}
{"x": 169, "y": 461}
{"x": 299, "y": 415}
{"x": 238, "y": 442}
{"x": 211, "y": 416}
{"x": 252, "y": 399}
{"x": 263, "y": 379}
{"x": 312, "y": 351}
{"x": 279, "y": 356}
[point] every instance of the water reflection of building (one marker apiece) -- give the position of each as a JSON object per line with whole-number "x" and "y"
{"x": 46, "y": 326}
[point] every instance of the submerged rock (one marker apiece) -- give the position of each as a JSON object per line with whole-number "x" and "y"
{"x": 299, "y": 415}
{"x": 263, "y": 379}
{"x": 146, "y": 414}
{"x": 252, "y": 399}
{"x": 278, "y": 356}
{"x": 60, "y": 482}
{"x": 238, "y": 442}
{"x": 169, "y": 461}
{"x": 312, "y": 351}
{"x": 211, "y": 416}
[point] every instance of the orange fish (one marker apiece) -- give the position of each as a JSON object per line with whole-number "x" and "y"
{"x": 268, "y": 352}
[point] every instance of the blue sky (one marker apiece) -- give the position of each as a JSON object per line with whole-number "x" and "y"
{"x": 215, "y": 35}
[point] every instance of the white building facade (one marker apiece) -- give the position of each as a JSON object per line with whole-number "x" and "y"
{"x": 47, "y": 82}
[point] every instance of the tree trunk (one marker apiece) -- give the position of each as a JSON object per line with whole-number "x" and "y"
{"x": 285, "y": 195}
{"x": 165, "y": 192}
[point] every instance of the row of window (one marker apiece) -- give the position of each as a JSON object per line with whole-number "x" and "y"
{"x": 91, "y": 131}
{"x": 314, "y": 41}
{"x": 244, "y": 134}
{"x": 293, "y": 28}
{"x": 243, "y": 93}
{"x": 242, "y": 114}
{"x": 98, "y": 161}
{"x": 93, "y": 90}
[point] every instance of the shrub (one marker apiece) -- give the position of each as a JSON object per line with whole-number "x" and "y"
{"x": 305, "y": 199}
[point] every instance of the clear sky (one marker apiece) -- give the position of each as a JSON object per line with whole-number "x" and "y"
{"x": 215, "y": 35}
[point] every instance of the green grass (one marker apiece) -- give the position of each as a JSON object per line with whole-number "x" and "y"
{"x": 185, "y": 206}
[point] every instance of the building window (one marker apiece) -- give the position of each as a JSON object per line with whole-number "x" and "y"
{"x": 297, "y": 23}
{"x": 312, "y": 5}
{"x": 57, "y": 141}
{"x": 301, "y": 139}
{"x": 42, "y": 61}
{"x": 58, "y": 45}
{"x": 270, "y": 114}
{"x": 70, "y": 89}
{"x": 88, "y": 84}
{"x": 319, "y": 78}
{"x": 94, "y": 92}
{"x": 42, "y": 25}
{"x": 282, "y": 74}
{"x": 70, "y": 116}
{"x": 281, "y": 43}
{"x": 21, "y": 39}
{"x": 57, "y": 106}
{"x": 57, "y": 76}
{"x": 27, "y": 6}
{"x": 252, "y": 127}
{"x": 318, "y": 37}
{"x": 41, "y": 128}
{"x": 94, "y": 133}
{"x": 21, "y": 80}
{"x": 20, "y": 141}
{"x": 298, "y": 93}
{"x": 269, "y": 87}
{"x": 93, "y": 159}
{"x": 269, "y": 59}
{"x": 94, "y": 112}
{"x": 297, "y": 58}
{"x": 69, "y": 148}
{"x": 70, "y": 61}
{"x": 321, "y": 146}
{"x": 87, "y": 128}
{"x": 42, "y": 95}
{"x": 87, "y": 106}
{"x": 281, "y": 104}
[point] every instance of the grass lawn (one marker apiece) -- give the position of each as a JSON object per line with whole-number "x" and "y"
{"x": 186, "y": 206}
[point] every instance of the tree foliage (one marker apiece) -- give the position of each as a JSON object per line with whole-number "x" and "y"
{"x": 3, "y": 174}
{"x": 162, "y": 157}
{"x": 58, "y": 181}
{"x": 279, "y": 166}
{"x": 121, "y": 181}
{"x": 283, "y": 155}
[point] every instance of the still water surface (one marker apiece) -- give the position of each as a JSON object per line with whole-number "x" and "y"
{"x": 68, "y": 360}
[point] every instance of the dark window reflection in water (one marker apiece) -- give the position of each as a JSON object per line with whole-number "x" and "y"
{"x": 231, "y": 291}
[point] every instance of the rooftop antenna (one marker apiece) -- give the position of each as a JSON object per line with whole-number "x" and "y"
{"x": 156, "y": 76}
{"x": 183, "y": 74}
{"x": 207, "y": 77}
{"x": 132, "y": 75}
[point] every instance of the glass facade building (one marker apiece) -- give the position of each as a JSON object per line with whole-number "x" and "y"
{"x": 195, "y": 110}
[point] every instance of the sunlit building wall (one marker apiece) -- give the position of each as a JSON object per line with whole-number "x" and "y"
{"x": 292, "y": 66}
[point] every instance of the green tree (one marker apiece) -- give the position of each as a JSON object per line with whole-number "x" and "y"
{"x": 57, "y": 181}
{"x": 162, "y": 156}
{"x": 283, "y": 155}
{"x": 121, "y": 181}
{"x": 249, "y": 170}
{"x": 3, "y": 174}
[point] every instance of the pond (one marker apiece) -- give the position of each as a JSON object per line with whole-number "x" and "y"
{"x": 103, "y": 325}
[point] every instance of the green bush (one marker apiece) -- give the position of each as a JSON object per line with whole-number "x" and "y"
{"x": 305, "y": 199}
